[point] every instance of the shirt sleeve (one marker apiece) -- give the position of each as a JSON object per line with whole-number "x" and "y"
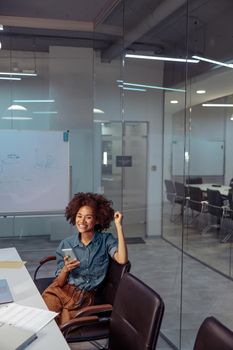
{"x": 112, "y": 244}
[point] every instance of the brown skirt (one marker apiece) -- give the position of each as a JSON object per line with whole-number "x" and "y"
{"x": 66, "y": 300}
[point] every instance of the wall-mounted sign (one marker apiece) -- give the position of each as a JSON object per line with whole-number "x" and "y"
{"x": 123, "y": 161}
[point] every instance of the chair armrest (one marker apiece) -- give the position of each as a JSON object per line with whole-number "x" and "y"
{"x": 42, "y": 262}
{"x": 47, "y": 258}
{"x": 77, "y": 323}
{"x": 94, "y": 310}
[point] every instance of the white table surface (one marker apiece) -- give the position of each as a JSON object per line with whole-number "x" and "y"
{"x": 222, "y": 189}
{"x": 25, "y": 293}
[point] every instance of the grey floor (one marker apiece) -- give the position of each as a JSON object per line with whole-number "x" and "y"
{"x": 205, "y": 290}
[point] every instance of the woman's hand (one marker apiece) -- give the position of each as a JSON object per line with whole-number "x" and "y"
{"x": 69, "y": 265}
{"x": 121, "y": 255}
{"x": 118, "y": 217}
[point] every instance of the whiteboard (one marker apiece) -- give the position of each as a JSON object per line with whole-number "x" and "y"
{"x": 205, "y": 157}
{"x": 34, "y": 171}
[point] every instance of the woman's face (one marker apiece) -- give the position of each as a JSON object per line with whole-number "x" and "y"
{"x": 85, "y": 220}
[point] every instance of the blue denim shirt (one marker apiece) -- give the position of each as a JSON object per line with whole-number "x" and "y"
{"x": 94, "y": 259}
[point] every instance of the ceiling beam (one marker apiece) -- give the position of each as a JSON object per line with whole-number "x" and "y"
{"x": 165, "y": 9}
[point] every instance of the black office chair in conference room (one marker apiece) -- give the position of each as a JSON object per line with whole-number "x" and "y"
{"x": 135, "y": 320}
{"x": 229, "y": 216}
{"x": 181, "y": 195}
{"x": 231, "y": 183}
{"x": 196, "y": 202}
{"x": 172, "y": 198}
{"x": 213, "y": 335}
{"x": 216, "y": 208}
{"x": 194, "y": 180}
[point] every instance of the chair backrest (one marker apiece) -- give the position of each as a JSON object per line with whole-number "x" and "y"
{"x": 107, "y": 291}
{"x": 136, "y": 317}
{"x": 231, "y": 183}
{"x": 215, "y": 202}
{"x": 181, "y": 190}
{"x": 196, "y": 198}
{"x": 194, "y": 180}
{"x": 170, "y": 190}
{"x": 213, "y": 335}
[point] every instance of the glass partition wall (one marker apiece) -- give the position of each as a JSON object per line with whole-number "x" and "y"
{"x": 197, "y": 209}
{"x": 147, "y": 134}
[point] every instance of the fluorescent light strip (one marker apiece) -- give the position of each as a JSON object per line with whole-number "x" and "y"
{"x": 17, "y": 118}
{"x": 159, "y": 58}
{"x": 45, "y": 112}
{"x": 131, "y": 89}
{"x": 9, "y": 78}
{"x": 228, "y": 65}
{"x": 217, "y": 104}
{"x": 150, "y": 86}
{"x": 33, "y": 101}
{"x": 19, "y": 74}
{"x": 201, "y": 92}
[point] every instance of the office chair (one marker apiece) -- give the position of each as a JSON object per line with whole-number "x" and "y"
{"x": 171, "y": 196}
{"x": 135, "y": 320}
{"x": 213, "y": 335}
{"x": 181, "y": 195}
{"x": 229, "y": 215}
{"x": 196, "y": 202}
{"x": 104, "y": 297}
{"x": 194, "y": 180}
{"x": 216, "y": 208}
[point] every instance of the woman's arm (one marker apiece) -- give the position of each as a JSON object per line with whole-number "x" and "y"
{"x": 121, "y": 255}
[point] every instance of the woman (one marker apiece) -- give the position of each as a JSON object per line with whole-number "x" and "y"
{"x": 77, "y": 279}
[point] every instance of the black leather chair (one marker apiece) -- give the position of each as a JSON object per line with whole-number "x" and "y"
{"x": 213, "y": 335}
{"x": 135, "y": 320}
{"x": 104, "y": 297}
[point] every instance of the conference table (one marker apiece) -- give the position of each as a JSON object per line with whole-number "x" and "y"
{"x": 25, "y": 293}
{"x": 223, "y": 189}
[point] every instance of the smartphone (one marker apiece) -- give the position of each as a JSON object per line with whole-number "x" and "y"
{"x": 69, "y": 252}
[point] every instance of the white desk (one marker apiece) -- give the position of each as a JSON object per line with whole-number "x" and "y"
{"x": 222, "y": 189}
{"x": 25, "y": 292}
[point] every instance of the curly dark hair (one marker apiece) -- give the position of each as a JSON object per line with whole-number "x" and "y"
{"x": 102, "y": 208}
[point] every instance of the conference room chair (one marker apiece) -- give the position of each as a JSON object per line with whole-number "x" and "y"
{"x": 135, "y": 320}
{"x": 231, "y": 183}
{"x": 172, "y": 198}
{"x": 194, "y": 180}
{"x": 104, "y": 297}
{"x": 181, "y": 195}
{"x": 196, "y": 202}
{"x": 213, "y": 335}
{"x": 229, "y": 215}
{"x": 216, "y": 208}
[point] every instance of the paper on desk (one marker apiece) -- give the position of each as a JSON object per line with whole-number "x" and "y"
{"x": 11, "y": 264}
{"x": 25, "y": 317}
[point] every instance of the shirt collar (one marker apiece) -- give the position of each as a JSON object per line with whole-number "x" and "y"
{"x": 77, "y": 241}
